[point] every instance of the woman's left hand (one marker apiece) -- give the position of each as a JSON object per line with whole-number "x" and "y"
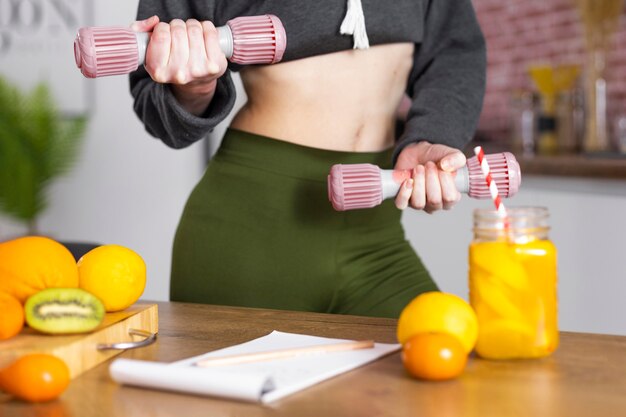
{"x": 431, "y": 187}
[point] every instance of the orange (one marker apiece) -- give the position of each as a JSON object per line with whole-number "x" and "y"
{"x": 35, "y": 377}
{"x": 434, "y": 356}
{"x": 33, "y": 263}
{"x": 441, "y": 313}
{"x": 11, "y": 316}
{"x": 114, "y": 274}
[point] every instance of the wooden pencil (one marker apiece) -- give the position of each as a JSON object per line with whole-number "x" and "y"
{"x": 284, "y": 353}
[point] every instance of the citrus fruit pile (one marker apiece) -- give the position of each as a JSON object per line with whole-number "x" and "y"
{"x": 437, "y": 331}
{"x": 42, "y": 286}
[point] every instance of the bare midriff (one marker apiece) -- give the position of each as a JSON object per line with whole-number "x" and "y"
{"x": 344, "y": 101}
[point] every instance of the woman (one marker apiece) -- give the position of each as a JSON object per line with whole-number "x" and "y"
{"x": 258, "y": 229}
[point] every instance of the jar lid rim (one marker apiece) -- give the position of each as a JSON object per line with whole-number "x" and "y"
{"x": 512, "y": 212}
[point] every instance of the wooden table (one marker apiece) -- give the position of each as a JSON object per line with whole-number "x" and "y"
{"x": 586, "y": 376}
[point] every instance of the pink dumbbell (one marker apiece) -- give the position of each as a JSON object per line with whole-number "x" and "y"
{"x": 356, "y": 186}
{"x": 103, "y": 51}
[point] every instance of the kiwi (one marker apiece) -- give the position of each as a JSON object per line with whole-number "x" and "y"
{"x": 63, "y": 311}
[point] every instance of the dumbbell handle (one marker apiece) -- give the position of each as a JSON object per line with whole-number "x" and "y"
{"x": 225, "y": 41}
{"x": 392, "y": 180}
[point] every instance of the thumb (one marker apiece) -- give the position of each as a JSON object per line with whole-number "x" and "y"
{"x": 145, "y": 25}
{"x": 453, "y": 161}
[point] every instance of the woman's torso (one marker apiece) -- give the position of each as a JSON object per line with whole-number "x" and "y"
{"x": 343, "y": 101}
{"x": 324, "y": 93}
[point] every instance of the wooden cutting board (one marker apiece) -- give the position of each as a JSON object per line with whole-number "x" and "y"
{"x": 79, "y": 351}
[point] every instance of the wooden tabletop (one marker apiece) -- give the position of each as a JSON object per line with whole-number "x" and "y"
{"x": 585, "y": 377}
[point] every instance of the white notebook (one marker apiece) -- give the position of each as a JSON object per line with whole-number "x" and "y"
{"x": 264, "y": 381}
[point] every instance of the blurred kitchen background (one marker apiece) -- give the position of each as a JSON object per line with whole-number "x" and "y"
{"x": 556, "y": 96}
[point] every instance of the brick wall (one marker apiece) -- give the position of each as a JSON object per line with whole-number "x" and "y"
{"x": 523, "y": 32}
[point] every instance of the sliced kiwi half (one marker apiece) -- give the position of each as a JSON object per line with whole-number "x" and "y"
{"x": 63, "y": 311}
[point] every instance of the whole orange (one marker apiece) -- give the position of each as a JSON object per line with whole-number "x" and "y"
{"x": 35, "y": 377}
{"x": 439, "y": 312}
{"x": 11, "y": 316}
{"x": 434, "y": 356}
{"x": 33, "y": 263}
{"x": 113, "y": 273}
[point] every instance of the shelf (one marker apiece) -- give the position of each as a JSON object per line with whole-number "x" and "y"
{"x": 609, "y": 166}
{"x": 574, "y": 166}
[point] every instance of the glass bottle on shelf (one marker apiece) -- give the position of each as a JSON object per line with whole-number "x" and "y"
{"x": 600, "y": 20}
{"x": 523, "y": 122}
{"x": 570, "y": 121}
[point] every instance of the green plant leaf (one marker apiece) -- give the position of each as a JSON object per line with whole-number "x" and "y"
{"x": 64, "y": 151}
{"x": 36, "y": 146}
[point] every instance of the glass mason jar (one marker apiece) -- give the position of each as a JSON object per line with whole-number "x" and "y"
{"x": 513, "y": 281}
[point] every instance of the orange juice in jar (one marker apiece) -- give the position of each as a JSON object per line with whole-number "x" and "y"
{"x": 513, "y": 280}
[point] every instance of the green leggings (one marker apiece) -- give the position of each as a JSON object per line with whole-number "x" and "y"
{"x": 258, "y": 231}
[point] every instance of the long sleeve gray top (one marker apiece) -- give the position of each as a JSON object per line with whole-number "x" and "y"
{"x": 446, "y": 84}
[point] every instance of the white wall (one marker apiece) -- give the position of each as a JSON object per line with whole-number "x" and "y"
{"x": 130, "y": 189}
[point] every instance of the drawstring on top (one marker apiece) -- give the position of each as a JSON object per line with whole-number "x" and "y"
{"x": 354, "y": 24}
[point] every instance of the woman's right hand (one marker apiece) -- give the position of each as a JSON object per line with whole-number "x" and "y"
{"x": 185, "y": 55}
{"x": 432, "y": 187}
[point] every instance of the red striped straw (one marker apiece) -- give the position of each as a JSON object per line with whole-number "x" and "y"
{"x": 493, "y": 188}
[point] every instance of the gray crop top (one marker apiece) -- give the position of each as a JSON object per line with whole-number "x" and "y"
{"x": 446, "y": 83}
